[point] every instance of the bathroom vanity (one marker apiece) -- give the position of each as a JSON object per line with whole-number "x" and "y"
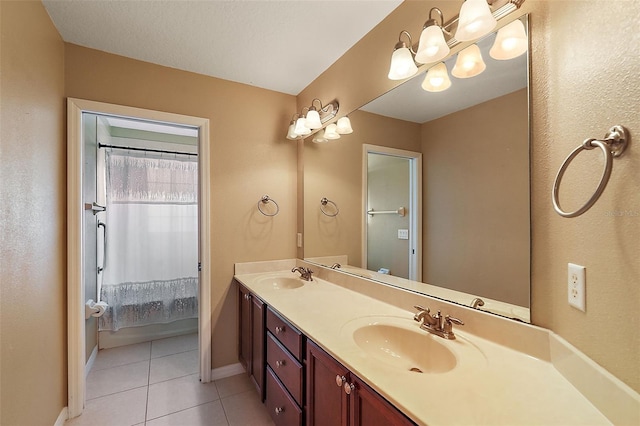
{"x": 338, "y": 350}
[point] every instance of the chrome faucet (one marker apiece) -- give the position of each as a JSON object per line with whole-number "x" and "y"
{"x": 305, "y": 273}
{"x": 336, "y": 265}
{"x": 436, "y": 324}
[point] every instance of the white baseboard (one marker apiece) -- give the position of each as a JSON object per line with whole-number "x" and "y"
{"x": 227, "y": 371}
{"x": 90, "y": 361}
{"x": 62, "y": 417}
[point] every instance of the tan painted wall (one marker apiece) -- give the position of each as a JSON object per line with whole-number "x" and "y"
{"x": 33, "y": 213}
{"x": 585, "y": 79}
{"x": 334, "y": 170}
{"x": 247, "y": 161}
{"x": 476, "y": 200}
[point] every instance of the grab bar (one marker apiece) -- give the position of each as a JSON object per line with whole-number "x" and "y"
{"x": 612, "y": 146}
{"x": 104, "y": 246}
{"x": 401, "y": 211}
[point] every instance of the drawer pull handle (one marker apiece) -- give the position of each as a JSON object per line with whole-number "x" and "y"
{"x": 279, "y": 330}
{"x": 280, "y": 363}
{"x": 279, "y": 410}
{"x": 340, "y": 380}
{"x": 348, "y": 388}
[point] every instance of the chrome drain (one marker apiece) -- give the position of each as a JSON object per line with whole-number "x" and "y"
{"x": 415, "y": 370}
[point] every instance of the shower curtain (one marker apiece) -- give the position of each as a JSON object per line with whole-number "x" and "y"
{"x": 151, "y": 264}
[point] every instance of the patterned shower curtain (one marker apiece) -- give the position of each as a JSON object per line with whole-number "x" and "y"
{"x": 151, "y": 268}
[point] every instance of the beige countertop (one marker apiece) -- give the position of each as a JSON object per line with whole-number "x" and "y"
{"x": 490, "y": 384}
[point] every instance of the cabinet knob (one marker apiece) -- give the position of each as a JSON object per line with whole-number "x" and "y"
{"x": 279, "y": 330}
{"x": 247, "y": 297}
{"x": 348, "y": 388}
{"x": 279, "y": 410}
{"x": 280, "y": 363}
{"x": 340, "y": 380}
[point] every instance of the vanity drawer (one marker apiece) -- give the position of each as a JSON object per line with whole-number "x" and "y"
{"x": 288, "y": 335}
{"x": 283, "y": 409}
{"x": 286, "y": 367}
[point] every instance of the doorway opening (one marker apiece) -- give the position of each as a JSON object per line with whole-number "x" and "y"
{"x": 392, "y": 201}
{"x": 150, "y": 171}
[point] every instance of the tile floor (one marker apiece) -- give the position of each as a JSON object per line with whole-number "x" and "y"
{"x": 156, "y": 384}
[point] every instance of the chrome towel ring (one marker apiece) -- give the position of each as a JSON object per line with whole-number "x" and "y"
{"x": 323, "y": 203}
{"x": 266, "y": 200}
{"x": 614, "y": 144}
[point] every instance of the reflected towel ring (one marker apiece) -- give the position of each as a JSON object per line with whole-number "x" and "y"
{"x": 265, "y": 200}
{"x": 323, "y": 203}
{"x": 612, "y": 146}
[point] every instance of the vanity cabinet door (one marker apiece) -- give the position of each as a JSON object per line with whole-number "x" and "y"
{"x": 327, "y": 402}
{"x": 251, "y": 343}
{"x": 370, "y": 409}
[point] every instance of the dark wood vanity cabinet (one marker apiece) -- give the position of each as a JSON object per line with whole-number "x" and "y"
{"x": 251, "y": 340}
{"x": 336, "y": 397}
{"x": 297, "y": 380}
{"x": 285, "y": 371}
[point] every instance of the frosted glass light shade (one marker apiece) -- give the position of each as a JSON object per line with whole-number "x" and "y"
{"x": 402, "y": 65}
{"x": 291, "y": 134}
{"x": 510, "y": 42}
{"x": 475, "y": 20}
{"x": 437, "y": 79}
{"x": 469, "y": 63}
{"x": 301, "y": 128}
{"x": 343, "y": 126}
{"x": 331, "y": 132}
{"x": 320, "y": 137}
{"x": 313, "y": 120}
{"x": 432, "y": 46}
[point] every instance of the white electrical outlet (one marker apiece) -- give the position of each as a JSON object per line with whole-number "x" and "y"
{"x": 299, "y": 239}
{"x": 577, "y": 286}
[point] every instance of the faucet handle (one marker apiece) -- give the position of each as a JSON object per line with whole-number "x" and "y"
{"x": 421, "y": 308}
{"x": 422, "y": 312}
{"x": 453, "y": 320}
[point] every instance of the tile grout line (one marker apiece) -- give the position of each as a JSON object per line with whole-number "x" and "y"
{"x": 146, "y": 405}
{"x": 221, "y": 404}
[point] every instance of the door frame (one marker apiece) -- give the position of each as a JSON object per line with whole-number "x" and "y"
{"x": 415, "y": 200}
{"x": 75, "y": 239}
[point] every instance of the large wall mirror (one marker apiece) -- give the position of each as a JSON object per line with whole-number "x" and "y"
{"x": 467, "y": 219}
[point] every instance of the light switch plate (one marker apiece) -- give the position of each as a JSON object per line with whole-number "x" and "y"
{"x": 403, "y": 234}
{"x": 577, "y": 286}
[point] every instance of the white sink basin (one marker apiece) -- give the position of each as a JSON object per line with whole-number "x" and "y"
{"x": 282, "y": 283}
{"x": 405, "y": 349}
{"x": 398, "y": 343}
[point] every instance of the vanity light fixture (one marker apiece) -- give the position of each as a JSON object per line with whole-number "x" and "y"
{"x": 291, "y": 133}
{"x": 469, "y": 63}
{"x": 437, "y": 79}
{"x": 510, "y": 42}
{"x": 432, "y": 46}
{"x": 320, "y": 137}
{"x": 317, "y": 115}
{"x": 344, "y": 126}
{"x": 301, "y": 128}
{"x": 402, "y": 65}
{"x": 331, "y": 132}
{"x": 475, "y": 20}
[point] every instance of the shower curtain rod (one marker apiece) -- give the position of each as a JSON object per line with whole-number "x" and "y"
{"x": 161, "y": 151}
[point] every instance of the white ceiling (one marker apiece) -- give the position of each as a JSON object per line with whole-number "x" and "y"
{"x": 276, "y": 45}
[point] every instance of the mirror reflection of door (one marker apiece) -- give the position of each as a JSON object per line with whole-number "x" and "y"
{"x": 392, "y": 219}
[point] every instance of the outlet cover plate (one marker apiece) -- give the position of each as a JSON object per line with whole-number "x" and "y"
{"x": 576, "y": 286}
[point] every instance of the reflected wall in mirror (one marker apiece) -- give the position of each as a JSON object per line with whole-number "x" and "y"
{"x": 474, "y": 141}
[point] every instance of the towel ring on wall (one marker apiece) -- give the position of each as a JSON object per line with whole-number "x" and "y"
{"x": 614, "y": 144}
{"x": 266, "y": 200}
{"x": 323, "y": 203}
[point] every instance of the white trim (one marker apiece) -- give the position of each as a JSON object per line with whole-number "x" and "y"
{"x": 62, "y": 417}
{"x": 415, "y": 234}
{"x": 75, "y": 249}
{"x": 227, "y": 371}
{"x": 92, "y": 359}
